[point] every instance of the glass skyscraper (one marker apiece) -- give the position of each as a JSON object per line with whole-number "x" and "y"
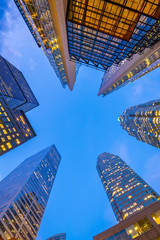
{"x": 16, "y": 98}
{"x": 60, "y": 236}
{"x": 105, "y": 32}
{"x": 127, "y": 192}
{"x": 142, "y": 121}
{"x": 47, "y": 24}
{"x": 129, "y": 71}
{"x": 24, "y": 194}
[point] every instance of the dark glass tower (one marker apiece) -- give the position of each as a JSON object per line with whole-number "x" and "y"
{"x": 127, "y": 192}
{"x": 24, "y": 194}
{"x": 142, "y": 121}
{"x": 16, "y": 98}
{"x": 60, "y": 236}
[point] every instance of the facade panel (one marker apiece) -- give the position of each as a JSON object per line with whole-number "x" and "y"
{"x": 14, "y": 87}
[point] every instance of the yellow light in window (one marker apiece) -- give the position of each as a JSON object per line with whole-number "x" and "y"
{"x": 130, "y": 231}
{"x": 9, "y": 145}
{"x": 17, "y": 141}
{"x": 22, "y": 119}
{"x": 1, "y": 126}
{"x": 8, "y": 119}
{"x": 14, "y": 129}
{"x": 129, "y": 196}
{"x": 9, "y": 138}
{"x": 3, "y": 147}
{"x": 4, "y": 131}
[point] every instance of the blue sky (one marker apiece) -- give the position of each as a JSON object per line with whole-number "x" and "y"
{"x": 82, "y": 126}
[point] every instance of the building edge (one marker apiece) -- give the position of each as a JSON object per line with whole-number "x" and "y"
{"x": 58, "y": 12}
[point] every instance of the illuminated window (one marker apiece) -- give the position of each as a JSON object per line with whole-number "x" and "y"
{"x": 3, "y": 147}
{"x": 156, "y": 216}
{"x": 9, "y": 138}
{"x": 139, "y": 228}
{"x": 3, "y": 139}
{"x": 9, "y": 145}
{"x": 17, "y": 141}
{"x": 4, "y": 131}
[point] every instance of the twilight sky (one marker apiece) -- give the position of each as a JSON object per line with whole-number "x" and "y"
{"x": 82, "y": 126}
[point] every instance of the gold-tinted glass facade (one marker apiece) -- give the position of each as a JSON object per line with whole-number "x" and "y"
{"x": 103, "y": 32}
{"x": 142, "y": 121}
{"x": 116, "y": 18}
{"x": 127, "y": 192}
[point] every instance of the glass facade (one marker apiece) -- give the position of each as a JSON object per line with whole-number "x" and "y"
{"x": 14, "y": 87}
{"x": 102, "y": 32}
{"x": 60, "y": 236}
{"x": 133, "y": 231}
{"x": 142, "y": 121}
{"x": 16, "y": 98}
{"x": 38, "y": 16}
{"x": 127, "y": 192}
{"x": 15, "y": 128}
{"x": 24, "y": 194}
{"x": 147, "y": 65}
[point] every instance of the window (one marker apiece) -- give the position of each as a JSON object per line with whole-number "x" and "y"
{"x": 156, "y": 216}
{"x": 139, "y": 228}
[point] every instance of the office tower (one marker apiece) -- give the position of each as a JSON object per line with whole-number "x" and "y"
{"x": 142, "y": 121}
{"x": 143, "y": 225}
{"x": 16, "y": 98}
{"x": 105, "y": 32}
{"x": 127, "y": 192}
{"x": 24, "y": 194}
{"x": 129, "y": 71}
{"x": 60, "y": 236}
{"x": 46, "y": 21}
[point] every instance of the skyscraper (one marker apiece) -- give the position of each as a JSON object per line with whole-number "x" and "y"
{"x": 98, "y": 33}
{"x": 60, "y": 236}
{"x": 16, "y": 98}
{"x": 46, "y": 21}
{"x": 127, "y": 192}
{"x": 129, "y": 71}
{"x": 105, "y": 32}
{"x": 24, "y": 194}
{"x": 142, "y": 121}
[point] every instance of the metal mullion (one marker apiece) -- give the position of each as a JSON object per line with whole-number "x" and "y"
{"x": 6, "y": 227}
{"x": 14, "y": 219}
{"x": 98, "y": 40}
{"x": 134, "y": 10}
